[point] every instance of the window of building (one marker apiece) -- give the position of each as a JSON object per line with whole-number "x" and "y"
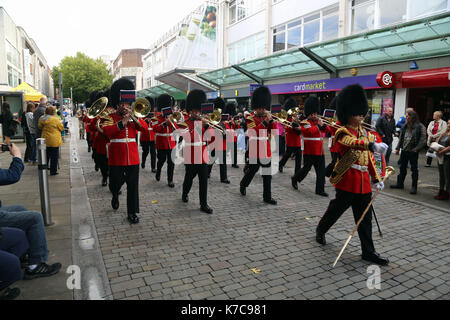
{"x": 330, "y": 27}
{"x": 12, "y": 55}
{"x": 372, "y": 14}
{"x": 246, "y": 49}
{"x": 311, "y": 29}
{"x": 13, "y": 77}
{"x": 240, "y": 9}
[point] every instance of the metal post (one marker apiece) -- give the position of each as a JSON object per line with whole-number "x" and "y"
{"x": 43, "y": 182}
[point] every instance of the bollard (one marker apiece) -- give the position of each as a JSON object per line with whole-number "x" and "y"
{"x": 43, "y": 182}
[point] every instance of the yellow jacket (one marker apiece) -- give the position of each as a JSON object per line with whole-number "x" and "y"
{"x": 51, "y": 130}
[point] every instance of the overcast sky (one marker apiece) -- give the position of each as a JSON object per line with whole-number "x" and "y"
{"x": 95, "y": 27}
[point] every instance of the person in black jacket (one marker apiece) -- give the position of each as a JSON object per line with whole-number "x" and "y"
{"x": 412, "y": 140}
{"x": 386, "y": 128}
{"x": 6, "y": 119}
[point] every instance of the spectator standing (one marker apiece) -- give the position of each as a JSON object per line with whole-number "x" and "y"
{"x": 434, "y": 130}
{"x": 39, "y": 112}
{"x": 386, "y": 129}
{"x": 29, "y": 131}
{"x": 412, "y": 140}
{"x": 6, "y": 119}
{"x": 444, "y": 165}
{"x": 31, "y": 222}
{"x": 51, "y": 128}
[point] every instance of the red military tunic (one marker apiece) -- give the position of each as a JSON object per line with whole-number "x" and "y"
{"x": 149, "y": 134}
{"x": 293, "y": 138}
{"x": 232, "y": 132}
{"x": 332, "y": 131}
{"x": 123, "y": 149}
{"x": 195, "y": 151}
{"x": 219, "y": 144}
{"x": 259, "y": 137}
{"x": 312, "y": 137}
{"x": 356, "y": 179}
{"x": 99, "y": 140}
{"x": 164, "y": 134}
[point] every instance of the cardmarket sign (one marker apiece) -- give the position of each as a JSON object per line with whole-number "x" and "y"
{"x": 367, "y": 82}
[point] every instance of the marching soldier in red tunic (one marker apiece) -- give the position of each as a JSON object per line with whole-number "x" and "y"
{"x": 148, "y": 138}
{"x": 259, "y": 128}
{"x": 293, "y": 139}
{"x": 196, "y": 156}
{"x": 123, "y": 154}
{"x": 313, "y": 153}
{"x": 165, "y": 141}
{"x": 235, "y": 125}
{"x": 331, "y": 131}
{"x": 351, "y": 175}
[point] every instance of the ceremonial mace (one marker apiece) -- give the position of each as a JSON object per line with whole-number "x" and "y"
{"x": 389, "y": 171}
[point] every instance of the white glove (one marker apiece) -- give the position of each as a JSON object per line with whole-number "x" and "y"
{"x": 379, "y": 185}
{"x": 381, "y": 147}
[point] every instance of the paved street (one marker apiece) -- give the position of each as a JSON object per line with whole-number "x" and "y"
{"x": 250, "y": 250}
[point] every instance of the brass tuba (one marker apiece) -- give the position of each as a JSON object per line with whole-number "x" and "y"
{"x": 141, "y": 108}
{"x": 97, "y": 108}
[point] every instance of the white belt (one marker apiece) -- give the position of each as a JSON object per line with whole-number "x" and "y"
{"x": 123, "y": 140}
{"x": 360, "y": 168}
{"x": 163, "y": 134}
{"x": 150, "y": 129}
{"x": 259, "y": 138}
{"x": 312, "y": 139}
{"x": 195, "y": 144}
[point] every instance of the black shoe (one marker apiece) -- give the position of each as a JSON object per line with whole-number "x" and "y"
{"x": 397, "y": 186}
{"x": 206, "y": 209}
{"x": 120, "y": 192}
{"x": 143, "y": 165}
{"x": 104, "y": 182}
{"x": 185, "y": 198}
{"x": 280, "y": 168}
{"x": 10, "y": 294}
{"x": 89, "y": 149}
{"x": 225, "y": 181}
{"x": 320, "y": 237}
{"x": 270, "y": 201}
{"x": 133, "y": 219}
{"x": 42, "y": 270}
{"x": 171, "y": 184}
{"x": 413, "y": 190}
{"x": 158, "y": 175}
{"x": 96, "y": 168}
{"x": 323, "y": 194}
{"x": 54, "y": 173}
{"x": 115, "y": 202}
{"x": 375, "y": 258}
{"x": 209, "y": 175}
{"x": 153, "y": 170}
{"x": 243, "y": 191}
{"x": 294, "y": 184}
{"x": 235, "y": 166}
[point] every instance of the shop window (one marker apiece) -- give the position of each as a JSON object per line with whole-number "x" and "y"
{"x": 392, "y": 11}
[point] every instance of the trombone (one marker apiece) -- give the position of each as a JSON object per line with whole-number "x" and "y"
{"x": 332, "y": 123}
{"x": 214, "y": 119}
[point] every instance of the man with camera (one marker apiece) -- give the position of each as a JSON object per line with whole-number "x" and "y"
{"x": 31, "y": 222}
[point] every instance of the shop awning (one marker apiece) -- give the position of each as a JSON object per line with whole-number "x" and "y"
{"x": 154, "y": 92}
{"x": 184, "y": 80}
{"x": 412, "y": 40}
{"x": 30, "y": 93}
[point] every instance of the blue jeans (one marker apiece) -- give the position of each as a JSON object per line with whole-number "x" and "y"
{"x": 13, "y": 246}
{"x": 32, "y": 223}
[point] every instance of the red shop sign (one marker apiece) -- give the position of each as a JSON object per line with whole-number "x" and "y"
{"x": 385, "y": 79}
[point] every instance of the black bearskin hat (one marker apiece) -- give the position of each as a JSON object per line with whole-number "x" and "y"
{"x": 195, "y": 99}
{"x": 290, "y": 103}
{"x": 120, "y": 84}
{"x": 311, "y": 106}
{"x": 107, "y": 94}
{"x": 261, "y": 98}
{"x": 351, "y": 101}
{"x": 95, "y": 95}
{"x": 219, "y": 103}
{"x": 152, "y": 102}
{"x": 164, "y": 101}
{"x": 182, "y": 105}
{"x": 230, "y": 108}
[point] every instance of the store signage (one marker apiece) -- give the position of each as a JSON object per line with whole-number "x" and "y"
{"x": 367, "y": 82}
{"x": 385, "y": 79}
{"x": 253, "y": 87}
{"x": 413, "y": 66}
{"x": 211, "y": 95}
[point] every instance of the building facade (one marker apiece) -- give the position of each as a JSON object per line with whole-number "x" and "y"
{"x": 128, "y": 64}
{"x": 21, "y": 60}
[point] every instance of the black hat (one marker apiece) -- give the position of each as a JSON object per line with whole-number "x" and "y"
{"x": 121, "y": 84}
{"x": 152, "y": 102}
{"x": 182, "y": 104}
{"x": 107, "y": 94}
{"x": 230, "y": 108}
{"x": 289, "y": 104}
{"x": 195, "y": 99}
{"x": 333, "y": 103}
{"x": 219, "y": 103}
{"x": 351, "y": 101}
{"x": 261, "y": 98}
{"x": 164, "y": 101}
{"x": 311, "y": 106}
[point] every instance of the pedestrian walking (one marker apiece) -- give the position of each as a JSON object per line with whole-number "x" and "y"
{"x": 51, "y": 128}
{"x": 386, "y": 129}
{"x": 8, "y": 124}
{"x": 434, "y": 130}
